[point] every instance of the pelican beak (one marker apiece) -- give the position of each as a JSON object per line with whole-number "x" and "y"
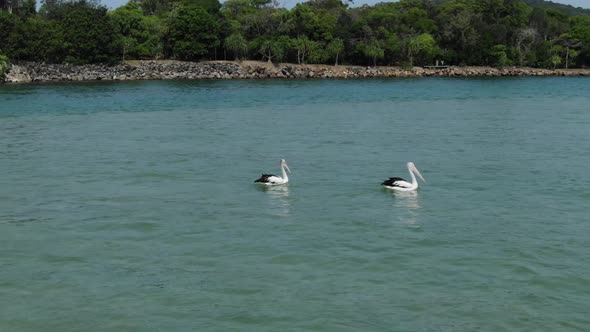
{"x": 418, "y": 173}
{"x": 287, "y": 167}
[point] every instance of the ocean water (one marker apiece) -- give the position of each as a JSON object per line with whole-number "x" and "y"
{"x": 131, "y": 206}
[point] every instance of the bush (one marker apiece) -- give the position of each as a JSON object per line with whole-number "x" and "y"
{"x": 4, "y": 66}
{"x": 499, "y": 56}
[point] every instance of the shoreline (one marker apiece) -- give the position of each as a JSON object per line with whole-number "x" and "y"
{"x": 29, "y": 72}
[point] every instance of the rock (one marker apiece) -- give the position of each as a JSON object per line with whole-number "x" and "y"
{"x": 18, "y": 74}
{"x": 157, "y": 70}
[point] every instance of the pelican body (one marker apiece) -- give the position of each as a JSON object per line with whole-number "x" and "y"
{"x": 273, "y": 180}
{"x": 400, "y": 184}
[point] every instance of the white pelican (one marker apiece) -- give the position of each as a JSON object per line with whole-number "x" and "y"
{"x": 273, "y": 180}
{"x": 400, "y": 184}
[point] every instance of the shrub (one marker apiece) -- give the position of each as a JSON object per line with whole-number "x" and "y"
{"x": 4, "y": 66}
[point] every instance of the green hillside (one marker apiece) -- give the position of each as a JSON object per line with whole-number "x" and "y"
{"x": 567, "y": 9}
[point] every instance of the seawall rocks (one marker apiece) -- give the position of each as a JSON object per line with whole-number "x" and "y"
{"x": 25, "y": 72}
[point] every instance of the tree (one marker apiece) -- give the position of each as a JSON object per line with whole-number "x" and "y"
{"x": 478, "y": 32}
{"x": 422, "y": 45}
{"x": 570, "y": 44}
{"x": 137, "y": 36}
{"x": 127, "y": 24}
{"x": 416, "y": 19}
{"x": 524, "y": 40}
{"x": 6, "y": 5}
{"x": 555, "y": 61}
{"x": 21, "y": 8}
{"x": 373, "y": 50}
{"x": 555, "y": 55}
{"x": 236, "y": 44}
{"x": 307, "y": 48}
{"x": 88, "y": 33}
{"x": 155, "y": 7}
{"x": 211, "y": 6}
{"x": 37, "y": 39}
{"x": 499, "y": 55}
{"x": 4, "y": 65}
{"x": 335, "y": 48}
{"x": 151, "y": 40}
{"x": 193, "y": 32}
{"x": 557, "y": 23}
{"x": 271, "y": 49}
{"x": 458, "y": 21}
{"x": 55, "y": 9}
{"x": 581, "y": 31}
{"x": 27, "y": 8}
{"x": 316, "y": 24}
{"x": 7, "y": 25}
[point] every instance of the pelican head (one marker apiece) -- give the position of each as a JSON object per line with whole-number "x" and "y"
{"x": 284, "y": 164}
{"x": 412, "y": 168}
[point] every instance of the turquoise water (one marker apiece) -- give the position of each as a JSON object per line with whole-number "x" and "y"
{"x": 131, "y": 206}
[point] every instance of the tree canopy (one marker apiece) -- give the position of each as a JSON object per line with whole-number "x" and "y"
{"x": 408, "y": 32}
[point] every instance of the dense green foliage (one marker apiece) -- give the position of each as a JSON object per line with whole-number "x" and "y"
{"x": 3, "y": 65}
{"x": 407, "y": 33}
{"x": 77, "y": 32}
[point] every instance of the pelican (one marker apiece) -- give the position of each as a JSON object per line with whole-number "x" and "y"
{"x": 273, "y": 180}
{"x": 400, "y": 184}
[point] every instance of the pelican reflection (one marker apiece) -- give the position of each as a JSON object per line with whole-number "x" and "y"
{"x": 407, "y": 199}
{"x": 408, "y": 205}
{"x": 278, "y": 199}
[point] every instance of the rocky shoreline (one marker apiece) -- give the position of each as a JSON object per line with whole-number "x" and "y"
{"x": 26, "y": 72}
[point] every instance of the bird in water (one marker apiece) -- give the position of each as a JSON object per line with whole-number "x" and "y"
{"x": 273, "y": 180}
{"x": 400, "y": 184}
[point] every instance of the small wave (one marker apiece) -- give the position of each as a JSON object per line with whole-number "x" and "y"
{"x": 14, "y": 219}
{"x": 63, "y": 259}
